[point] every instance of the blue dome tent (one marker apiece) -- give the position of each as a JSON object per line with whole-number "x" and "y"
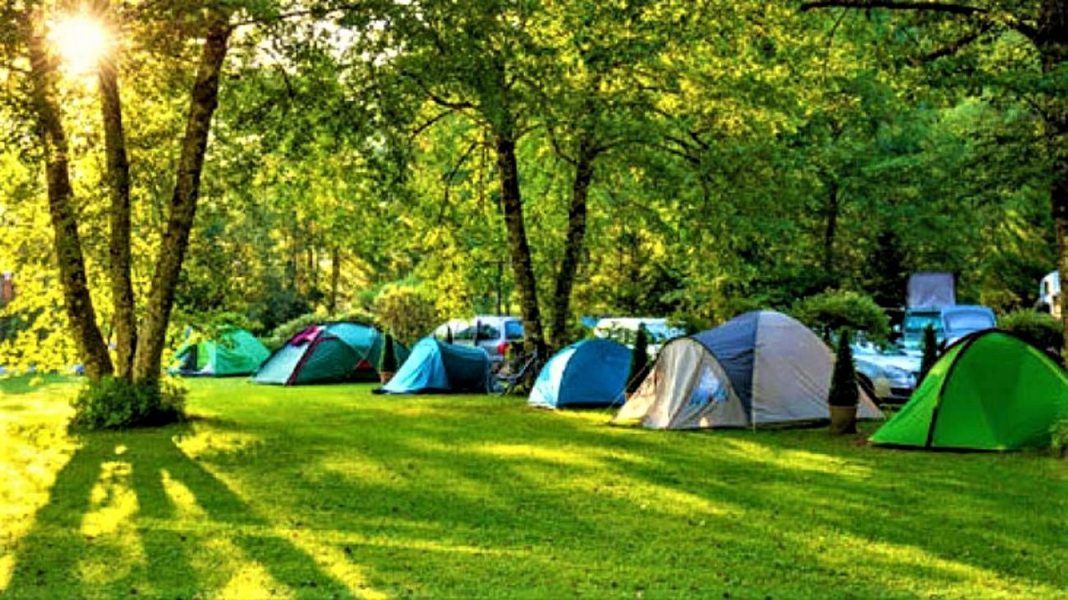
{"x": 434, "y": 366}
{"x": 591, "y": 372}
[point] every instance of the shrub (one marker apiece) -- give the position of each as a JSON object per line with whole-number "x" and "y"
{"x": 689, "y": 323}
{"x": 930, "y": 352}
{"x": 832, "y": 311}
{"x": 283, "y": 332}
{"x": 406, "y": 310}
{"x": 639, "y": 360}
{"x": 113, "y": 403}
{"x": 388, "y": 362}
{"x": 1040, "y": 329}
{"x": 1059, "y": 438}
{"x": 844, "y": 377}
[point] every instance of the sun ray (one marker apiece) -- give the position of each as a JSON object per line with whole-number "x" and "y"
{"x": 81, "y": 40}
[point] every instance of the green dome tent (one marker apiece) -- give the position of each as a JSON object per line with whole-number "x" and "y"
{"x": 989, "y": 391}
{"x": 233, "y": 352}
{"x": 328, "y": 353}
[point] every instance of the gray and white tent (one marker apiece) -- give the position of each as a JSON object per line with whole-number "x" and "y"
{"x": 761, "y": 368}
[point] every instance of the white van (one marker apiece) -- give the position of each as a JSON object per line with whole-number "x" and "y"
{"x": 625, "y": 331}
{"x": 1049, "y": 294}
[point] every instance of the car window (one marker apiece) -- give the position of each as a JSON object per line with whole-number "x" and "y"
{"x": 488, "y": 332}
{"x": 513, "y": 330}
{"x": 969, "y": 320}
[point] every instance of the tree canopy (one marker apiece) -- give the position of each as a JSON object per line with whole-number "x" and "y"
{"x": 679, "y": 158}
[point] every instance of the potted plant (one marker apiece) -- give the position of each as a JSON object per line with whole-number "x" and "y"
{"x": 844, "y": 394}
{"x": 387, "y": 364}
{"x": 639, "y": 362}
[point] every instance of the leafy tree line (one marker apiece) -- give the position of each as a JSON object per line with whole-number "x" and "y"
{"x": 643, "y": 157}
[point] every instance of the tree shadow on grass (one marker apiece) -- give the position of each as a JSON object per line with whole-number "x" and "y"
{"x": 130, "y": 513}
{"x": 932, "y": 521}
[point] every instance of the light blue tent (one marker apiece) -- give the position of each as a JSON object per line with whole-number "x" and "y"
{"x": 434, "y": 366}
{"x": 591, "y": 372}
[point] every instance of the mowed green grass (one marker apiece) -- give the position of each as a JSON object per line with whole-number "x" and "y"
{"x": 330, "y": 491}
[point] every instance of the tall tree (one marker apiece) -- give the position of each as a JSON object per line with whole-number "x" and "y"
{"x": 68, "y": 247}
{"x": 118, "y": 175}
{"x": 480, "y": 58}
{"x": 203, "y": 101}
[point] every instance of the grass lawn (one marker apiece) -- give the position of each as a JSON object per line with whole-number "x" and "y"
{"x": 333, "y": 492}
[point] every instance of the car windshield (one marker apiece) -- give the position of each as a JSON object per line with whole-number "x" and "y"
{"x": 969, "y": 320}
{"x": 917, "y": 323}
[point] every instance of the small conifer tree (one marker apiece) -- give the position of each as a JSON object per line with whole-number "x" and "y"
{"x": 930, "y": 351}
{"x": 388, "y": 361}
{"x": 639, "y": 360}
{"x": 448, "y": 335}
{"x": 844, "y": 379}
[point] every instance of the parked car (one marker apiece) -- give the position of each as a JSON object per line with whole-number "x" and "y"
{"x": 890, "y": 374}
{"x": 1049, "y": 294}
{"x": 950, "y": 323}
{"x": 625, "y": 331}
{"x": 495, "y": 334}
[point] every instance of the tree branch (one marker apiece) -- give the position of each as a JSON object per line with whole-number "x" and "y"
{"x": 942, "y": 7}
{"x": 957, "y": 9}
{"x": 955, "y": 46}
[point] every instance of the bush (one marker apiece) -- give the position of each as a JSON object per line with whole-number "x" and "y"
{"x": 1040, "y": 329}
{"x": 834, "y": 310}
{"x": 407, "y": 311}
{"x": 689, "y": 323}
{"x": 1059, "y": 438}
{"x": 844, "y": 377}
{"x": 283, "y": 332}
{"x": 113, "y": 403}
{"x": 639, "y": 360}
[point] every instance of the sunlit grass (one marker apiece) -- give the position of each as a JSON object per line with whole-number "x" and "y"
{"x": 330, "y": 491}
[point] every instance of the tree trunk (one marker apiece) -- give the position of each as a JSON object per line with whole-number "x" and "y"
{"x": 205, "y": 98}
{"x": 68, "y": 247}
{"x": 831, "y": 229}
{"x": 1052, "y": 43}
{"x": 335, "y": 276}
{"x": 518, "y": 247}
{"x": 576, "y": 233}
{"x": 118, "y": 175}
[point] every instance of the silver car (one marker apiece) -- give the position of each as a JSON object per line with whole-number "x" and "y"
{"x": 890, "y": 374}
{"x": 496, "y": 334}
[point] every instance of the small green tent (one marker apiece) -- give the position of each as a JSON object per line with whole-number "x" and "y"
{"x": 989, "y": 391}
{"x": 233, "y": 352}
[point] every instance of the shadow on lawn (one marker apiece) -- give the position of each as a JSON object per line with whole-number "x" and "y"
{"x": 432, "y": 496}
{"x": 476, "y": 498}
{"x": 131, "y": 506}
{"x": 796, "y": 499}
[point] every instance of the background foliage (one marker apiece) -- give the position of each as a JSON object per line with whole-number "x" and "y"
{"x": 750, "y": 156}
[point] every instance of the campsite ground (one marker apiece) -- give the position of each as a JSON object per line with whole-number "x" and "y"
{"x": 330, "y": 491}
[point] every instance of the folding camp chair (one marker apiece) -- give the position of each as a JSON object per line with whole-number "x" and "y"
{"x": 517, "y": 375}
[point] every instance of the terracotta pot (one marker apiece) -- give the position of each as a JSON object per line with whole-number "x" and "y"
{"x": 843, "y": 419}
{"x": 385, "y": 376}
